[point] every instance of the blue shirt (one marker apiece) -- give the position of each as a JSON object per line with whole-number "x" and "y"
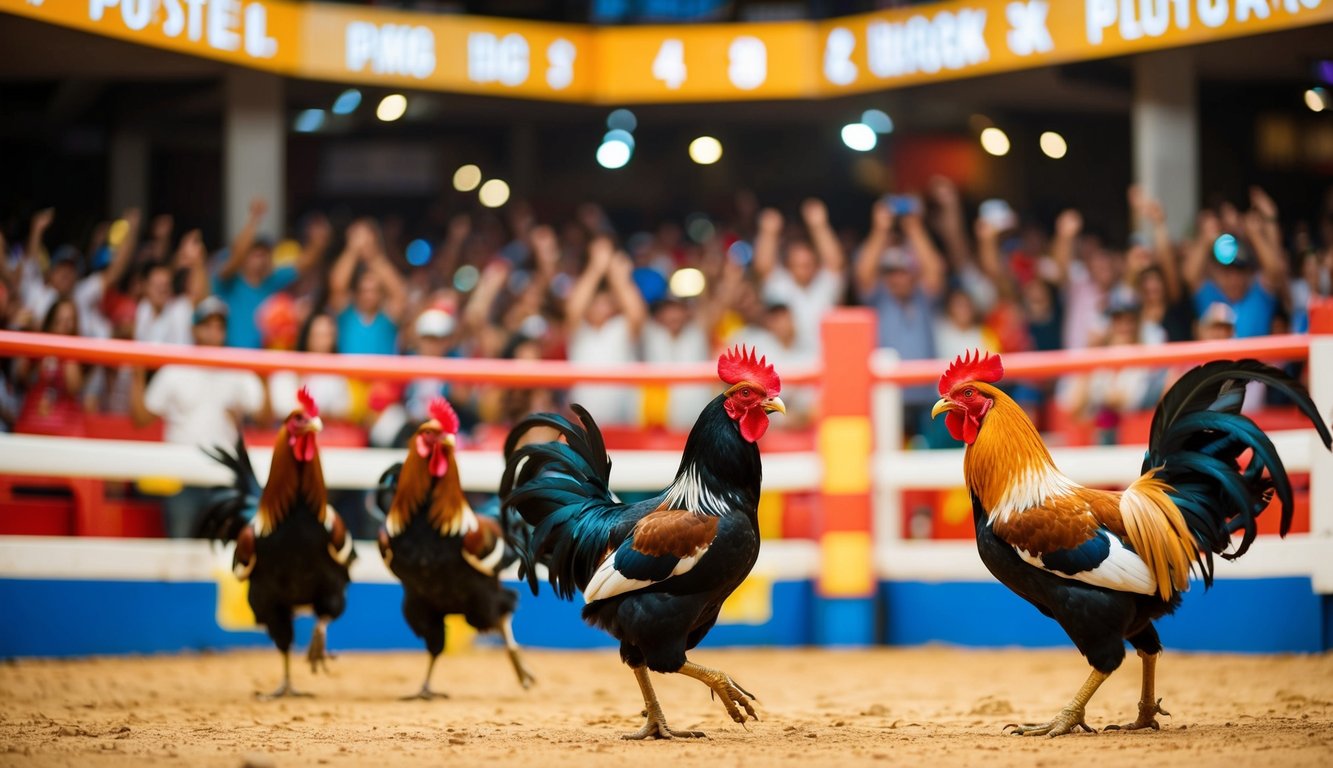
{"x": 1254, "y": 311}
{"x": 356, "y": 337}
{"x": 243, "y": 302}
{"x": 908, "y": 328}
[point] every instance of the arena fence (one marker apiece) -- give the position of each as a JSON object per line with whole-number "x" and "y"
{"x": 858, "y": 581}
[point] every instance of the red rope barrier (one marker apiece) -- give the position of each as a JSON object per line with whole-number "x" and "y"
{"x": 513, "y": 373}
{"x": 1042, "y": 365}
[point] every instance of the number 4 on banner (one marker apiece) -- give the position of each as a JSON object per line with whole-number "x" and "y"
{"x": 669, "y": 64}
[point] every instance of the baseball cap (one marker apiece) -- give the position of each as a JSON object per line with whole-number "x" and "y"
{"x": 894, "y": 259}
{"x": 66, "y": 254}
{"x": 435, "y": 323}
{"x": 1121, "y": 300}
{"x": 211, "y": 306}
{"x": 1218, "y": 313}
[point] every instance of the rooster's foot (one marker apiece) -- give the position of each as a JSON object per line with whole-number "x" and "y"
{"x": 734, "y": 697}
{"x": 283, "y": 691}
{"x": 425, "y": 694}
{"x": 1067, "y": 721}
{"x": 318, "y": 654}
{"x": 525, "y": 677}
{"x": 1147, "y": 718}
{"x": 656, "y": 728}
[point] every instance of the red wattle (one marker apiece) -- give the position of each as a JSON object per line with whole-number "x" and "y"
{"x": 954, "y": 421}
{"x": 303, "y": 446}
{"x": 439, "y": 462}
{"x": 753, "y": 423}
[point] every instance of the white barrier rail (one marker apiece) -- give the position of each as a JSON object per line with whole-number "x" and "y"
{"x": 344, "y": 468}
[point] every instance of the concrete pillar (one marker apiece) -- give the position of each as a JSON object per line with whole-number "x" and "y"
{"x": 254, "y": 149}
{"x": 128, "y": 168}
{"x": 1166, "y": 134}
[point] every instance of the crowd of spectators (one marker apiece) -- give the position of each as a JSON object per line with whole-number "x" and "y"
{"x": 509, "y": 286}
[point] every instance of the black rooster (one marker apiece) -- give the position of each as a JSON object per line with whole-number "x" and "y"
{"x": 291, "y": 546}
{"x": 654, "y": 574}
{"x": 447, "y": 556}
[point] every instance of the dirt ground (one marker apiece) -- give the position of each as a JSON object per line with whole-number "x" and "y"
{"x": 932, "y": 706}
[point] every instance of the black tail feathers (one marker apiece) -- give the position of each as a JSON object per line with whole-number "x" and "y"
{"x": 230, "y": 508}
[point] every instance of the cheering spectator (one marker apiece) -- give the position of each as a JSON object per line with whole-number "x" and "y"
{"x": 1087, "y": 271}
{"x": 811, "y": 282}
{"x": 367, "y": 293}
{"x": 675, "y": 333}
{"x": 1244, "y": 268}
{"x": 603, "y": 315}
{"x": 904, "y": 295}
{"x": 248, "y": 277}
{"x": 199, "y": 407}
{"x": 163, "y": 316}
{"x": 54, "y": 400}
{"x": 61, "y": 279}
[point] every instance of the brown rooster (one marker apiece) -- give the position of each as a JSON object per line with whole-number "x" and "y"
{"x": 448, "y": 557}
{"x": 290, "y": 544}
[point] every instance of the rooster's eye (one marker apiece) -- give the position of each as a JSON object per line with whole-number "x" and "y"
{"x": 745, "y": 391}
{"x": 969, "y": 393}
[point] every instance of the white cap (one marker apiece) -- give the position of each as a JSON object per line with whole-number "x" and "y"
{"x": 435, "y": 323}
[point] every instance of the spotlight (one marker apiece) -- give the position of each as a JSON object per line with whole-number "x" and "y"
{"x": 613, "y": 154}
{"x": 347, "y": 102}
{"x": 467, "y": 177}
{"x": 622, "y": 119}
{"x": 1316, "y": 99}
{"x": 687, "y": 283}
{"x": 309, "y": 121}
{"x": 1053, "y": 144}
{"x": 859, "y": 136}
{"x": 494, "y": 193}
{"x": 995, "y": 142}
{"x": 878, "y": 120}
{"x": 705, "y": 150}
{"x": 418, "y": 253}
{"x": 391, "y": 107}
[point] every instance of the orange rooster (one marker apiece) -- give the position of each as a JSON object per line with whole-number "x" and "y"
{"x": 1105, "y": 564}
{"x": 291, "y": 546}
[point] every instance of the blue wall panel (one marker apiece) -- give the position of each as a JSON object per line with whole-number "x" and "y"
{"x": 1275, "y": 615}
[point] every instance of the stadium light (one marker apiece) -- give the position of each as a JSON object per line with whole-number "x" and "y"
{"x": 613, "y": 154}
{"x": 418, "y": 253}
{"x": 995, "y": 141}
{"x": 687, "y": 283}
{"x": 467, "y": 177}
{"x": 859, "y": 136}
{"x": 494, "y": 193}
{"x": 1316, "y": 99}
{"x": 705, "y": 150}
{"x": 878, "y": 120}
{"x": 622, "y": 119}
{"x": 347, "y": 102}
{"x": 1053, "y": 145}
{"x": 309, "y": 121}
{"x": 391, "y": 107}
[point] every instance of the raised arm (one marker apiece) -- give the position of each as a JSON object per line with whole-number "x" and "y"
{"x": 360, "y": 241}
{"x": 822, "y": 236}
{"x": 1068, "y": 225}
{"x": 392, "y": 282}
{"x": 244, "y": 240}
{"x": 190, "y": 256}
{"x": 600, "y": 253}
{"x": 159, "y": 233}
{"x": 315, "y": 243}
{"x": 988, "y": 259}
{"x": 451, "y": 250}
{"x": 1163, "y": 249}
{"x": 1195, "y": 264}
{"x": 949, "y": 221}
{"x": 480, "y": 304}
{"x": 766, "y": 242}
{"x": 36, "y": 250}
{"x": 123, "y": 252}
{"x": 867, "y": 256}
{"x": 932, "y": 269}
{"x": 1261, "y": 223}
{"x": 620, "y": 275}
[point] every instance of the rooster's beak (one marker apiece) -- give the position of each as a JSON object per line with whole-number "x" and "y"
{"x": 775, "y": 403}
{"x": 316, "y": 425}
{"x": 943, "y": 405}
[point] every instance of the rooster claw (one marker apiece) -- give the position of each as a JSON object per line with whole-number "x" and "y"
{"x": 283, "y": 691}
{"x": 425, "y": 694}
{"x": 1147, "y": 719}
{"x": 1068, "y": 721}
{"x": 657, "y": 729}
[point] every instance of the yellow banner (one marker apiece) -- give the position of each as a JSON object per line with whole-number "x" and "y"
{"x": 706, "y": 62}
{"x": 976, "y": 37}
{"x": 263, "y": 35}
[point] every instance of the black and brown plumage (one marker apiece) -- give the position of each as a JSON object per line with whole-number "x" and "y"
{"x": 291, "y": 545}
{"x": 447, "y": 556}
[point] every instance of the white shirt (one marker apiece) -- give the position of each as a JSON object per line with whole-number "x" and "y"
{"x": 808, "y": 303}
{"x": 38, "y": 296}
{"x": 330, "y": 391}
{"x": 173, "y": 325}
{"x": 611, "y": 344}
{"x": 196, "y": 403}
{"x": 684, "y": 401}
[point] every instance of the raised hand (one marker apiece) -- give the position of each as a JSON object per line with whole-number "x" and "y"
{"x": 770, "y": 221}
{"x": 1068, "y": 224}
{"x": 814, "y": 212}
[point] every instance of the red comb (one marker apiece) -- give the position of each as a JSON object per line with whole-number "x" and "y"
{"x": 443, "y": 412}
{"x": 739, "y": 364}
{"x": 973, "y": 366}
{"x": 307, "y": 402}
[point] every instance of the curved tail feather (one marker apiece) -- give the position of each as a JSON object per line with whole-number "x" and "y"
{"x": 231, "y": 508}
{"x": 1196, "y": 443}
{"x": 561, "y": 490}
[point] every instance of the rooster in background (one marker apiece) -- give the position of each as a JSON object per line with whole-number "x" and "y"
{"x": 290, "y": 544}
{"x": 1105, "y": 564}
{"x": 653, "y": 574}
{"x": 447, "y": 556}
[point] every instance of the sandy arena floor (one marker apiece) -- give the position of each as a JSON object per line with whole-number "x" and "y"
{"x": 894, "y": 707}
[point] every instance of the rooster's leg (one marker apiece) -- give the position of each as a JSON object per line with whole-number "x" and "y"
{"x": 656, "y": 726}
{"x": 733, "y": 696}
{"x": 426, "y": 693}
{"x": 525, "y": 677}
{"x": 1149, "y": 705}
{"x": 318, "y": 654}
{"x": 286, "y": 688}
{"x": 1070, "y": 717}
